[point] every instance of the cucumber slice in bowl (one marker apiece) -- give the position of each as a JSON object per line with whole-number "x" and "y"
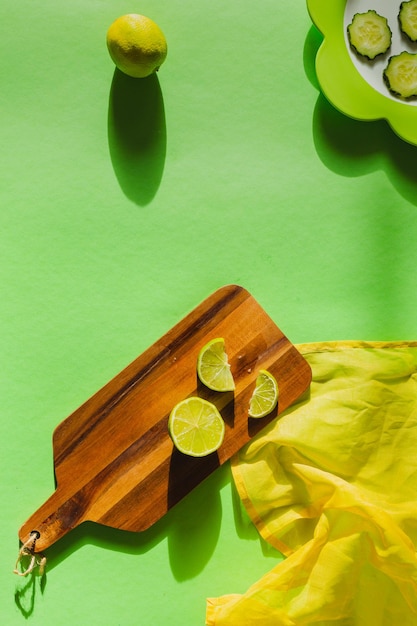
{"x": 407, "y": 18}
{"x": 369, "y": 34}
{"x": 400, "y": 75}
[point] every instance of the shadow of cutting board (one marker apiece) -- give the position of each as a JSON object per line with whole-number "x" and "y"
{"x": 114, "y": 461}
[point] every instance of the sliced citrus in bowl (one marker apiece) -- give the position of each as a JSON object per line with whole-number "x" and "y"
{"x": 213, "y": 367}
{"x": 265, "y": 396}
{"x": 196, "y": 427}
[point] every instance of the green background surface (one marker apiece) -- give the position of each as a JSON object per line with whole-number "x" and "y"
{"x": 124, "y": 205}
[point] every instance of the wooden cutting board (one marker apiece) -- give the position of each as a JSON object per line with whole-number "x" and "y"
{"x": 114, "y": 461}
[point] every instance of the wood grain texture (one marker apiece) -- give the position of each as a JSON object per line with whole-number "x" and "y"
{"x": 114, "y": 461}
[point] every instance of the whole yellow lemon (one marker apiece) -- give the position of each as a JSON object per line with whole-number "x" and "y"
{"x": 137, "y": 45}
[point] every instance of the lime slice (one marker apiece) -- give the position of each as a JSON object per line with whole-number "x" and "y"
{"x": 213, "y": 368}
{"x": 265, "y": 396}
{"x": 196, "y": 427}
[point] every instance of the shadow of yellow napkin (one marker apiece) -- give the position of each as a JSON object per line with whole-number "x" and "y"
{"x": 332, "y": 484}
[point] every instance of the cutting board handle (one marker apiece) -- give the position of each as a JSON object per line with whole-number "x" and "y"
{"x": 54, "y": 519}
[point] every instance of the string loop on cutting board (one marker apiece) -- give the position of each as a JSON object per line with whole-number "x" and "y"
{"x": 28, "y": 550}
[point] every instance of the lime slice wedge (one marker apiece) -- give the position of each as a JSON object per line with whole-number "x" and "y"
{"x": 265, "y": 396}
{"x": 213, "y": 367}
{"x": 196, "y": 427}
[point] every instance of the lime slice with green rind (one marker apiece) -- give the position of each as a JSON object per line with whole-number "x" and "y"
{"x": 196, "y": 427}
{"x": 213, "y": 367}
{"x": 265, "y": 396}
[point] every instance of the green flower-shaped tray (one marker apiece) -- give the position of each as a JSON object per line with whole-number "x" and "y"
{"x": 353, "y": 85}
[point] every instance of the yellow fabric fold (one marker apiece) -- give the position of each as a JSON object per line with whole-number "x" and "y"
{"x": 332, "y": 484}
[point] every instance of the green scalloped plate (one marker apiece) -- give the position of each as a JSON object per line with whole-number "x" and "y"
{"x": 355, "y": 86}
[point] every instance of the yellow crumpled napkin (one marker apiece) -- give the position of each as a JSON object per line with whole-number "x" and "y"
{"x": 332, "y": 484}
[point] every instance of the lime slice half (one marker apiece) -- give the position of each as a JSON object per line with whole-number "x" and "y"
{"x": 213, "y": 367}
{"x": 196, "y": 427}
{"x": 265, "y": 396}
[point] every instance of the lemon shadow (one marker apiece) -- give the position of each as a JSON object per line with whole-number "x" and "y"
{"x": 351, "y": 147}
{"x": 137, "y": 135}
